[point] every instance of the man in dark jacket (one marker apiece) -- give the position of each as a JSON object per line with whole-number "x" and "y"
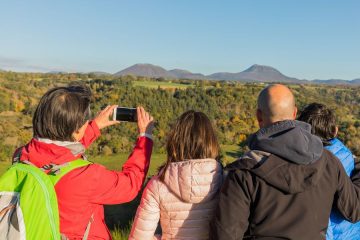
{"x": 284, "y": 188}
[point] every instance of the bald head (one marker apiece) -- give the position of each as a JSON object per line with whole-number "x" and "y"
{"x": 275, "y": 103}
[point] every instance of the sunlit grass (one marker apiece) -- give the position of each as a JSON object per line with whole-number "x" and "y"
{"x": 115, "y": 161}
{"x": 121, "y": 233}
{"x": 158, "y": 84}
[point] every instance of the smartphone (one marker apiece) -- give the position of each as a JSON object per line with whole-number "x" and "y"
{"x": 125, "y": 114}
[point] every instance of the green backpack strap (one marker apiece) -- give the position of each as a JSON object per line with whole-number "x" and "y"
{"x": 59, "y": 171}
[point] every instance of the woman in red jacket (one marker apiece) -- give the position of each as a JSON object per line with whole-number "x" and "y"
{"x": 62, "y": 131}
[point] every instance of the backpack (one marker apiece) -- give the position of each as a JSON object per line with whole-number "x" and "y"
{"x": 28, "y": 202}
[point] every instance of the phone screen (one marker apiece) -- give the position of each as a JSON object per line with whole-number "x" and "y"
{"x": 125, "y": 114}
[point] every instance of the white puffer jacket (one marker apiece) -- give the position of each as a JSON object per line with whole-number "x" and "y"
{"x": 185, "y": 202}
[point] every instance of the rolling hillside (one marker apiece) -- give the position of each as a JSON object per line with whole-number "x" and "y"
{"x": 255, "y": 73}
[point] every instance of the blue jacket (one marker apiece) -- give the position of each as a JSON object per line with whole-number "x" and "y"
{"x": 339, "y": 228}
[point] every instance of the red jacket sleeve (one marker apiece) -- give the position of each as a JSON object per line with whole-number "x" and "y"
{"x": 92, "y": 132}
{"x": 114, "y": 187}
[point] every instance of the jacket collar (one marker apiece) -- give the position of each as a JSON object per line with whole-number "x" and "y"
{"x": 291, "y": 140}
{"x": 75, "y": 148}
{"x": 41, "y": 152}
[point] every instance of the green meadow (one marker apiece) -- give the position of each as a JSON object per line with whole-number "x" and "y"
{"x": 162, "y": 85}
{"x": 115, "y": 161}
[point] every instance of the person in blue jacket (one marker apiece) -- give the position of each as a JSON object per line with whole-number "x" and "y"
{"x": 323, "y": 122}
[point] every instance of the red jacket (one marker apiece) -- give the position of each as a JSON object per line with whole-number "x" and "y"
{"x": 83, "y": 191}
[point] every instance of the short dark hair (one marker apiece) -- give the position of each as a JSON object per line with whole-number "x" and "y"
{"x": 322, "y": 120}
{"x": 62, "y": 111}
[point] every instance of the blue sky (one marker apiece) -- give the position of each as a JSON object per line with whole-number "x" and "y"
{"x": 312, "y": 39}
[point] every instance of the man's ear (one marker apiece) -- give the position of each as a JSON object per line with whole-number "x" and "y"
{"x": 259, "y": 117}
{"x": 295, "y": 113}
{"x": 336, "y": 131}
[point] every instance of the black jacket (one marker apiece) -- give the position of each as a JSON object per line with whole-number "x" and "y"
{"x": 284, "y": 188}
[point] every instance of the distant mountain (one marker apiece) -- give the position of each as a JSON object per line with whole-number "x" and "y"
{"x": 146, "y": 70}
{"x": 259, "y": 73}
{"x": 330, "y": 81}
{"x": 255, "y": 73}
{"x": 184, "y": 74}
{"x": 355, "y": 82}
{"x": 223, "y": 76}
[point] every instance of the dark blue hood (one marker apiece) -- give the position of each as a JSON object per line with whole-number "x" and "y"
{"x": 290, "y": 139}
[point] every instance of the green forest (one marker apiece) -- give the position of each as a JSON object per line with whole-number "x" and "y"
{"x": 230, "y": 105}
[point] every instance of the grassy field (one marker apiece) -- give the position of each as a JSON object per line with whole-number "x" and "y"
{"x": 115, "y": 162}
{"x": 164, "y": 85}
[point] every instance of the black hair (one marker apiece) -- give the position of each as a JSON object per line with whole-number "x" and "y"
{"x": 62, "y": 111}
{"x": 322, "y": 121}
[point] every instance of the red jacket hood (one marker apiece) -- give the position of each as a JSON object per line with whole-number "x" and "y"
{"x": 43, "y": 153}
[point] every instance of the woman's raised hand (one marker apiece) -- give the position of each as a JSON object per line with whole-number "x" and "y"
{"x": 104, "y": 117}
{"x": 145, "y": 121}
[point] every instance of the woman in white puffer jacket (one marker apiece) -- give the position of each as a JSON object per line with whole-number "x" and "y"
{"x": 184, "y": 194}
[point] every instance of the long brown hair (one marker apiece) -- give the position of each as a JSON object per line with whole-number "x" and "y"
{"x": 191, "y": 137}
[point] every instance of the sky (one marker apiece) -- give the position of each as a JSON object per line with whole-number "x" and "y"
{"x": 307, "y": 39}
